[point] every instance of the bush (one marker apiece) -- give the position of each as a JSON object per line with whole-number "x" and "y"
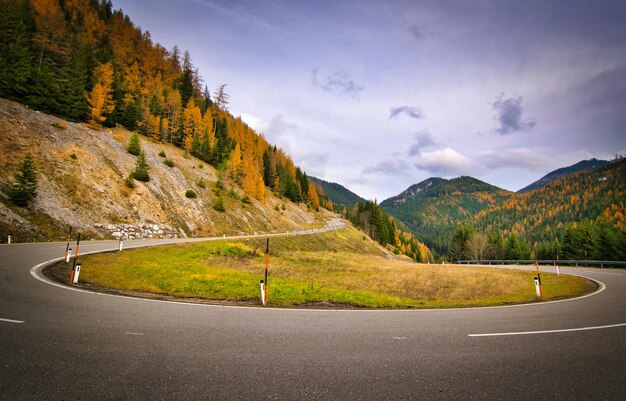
{"x": 219, "y": 205}
{"x": 245, "y": 199}
{"x": 73, "y": 156}
{"x": 25, "y": 188}
{"x": 168, "y": 163}
{"x": 201, "y": 183}
{"x": 134, "y": 147}
{"x": 162, "y": 153}
{"x": 233, "y": 194}
{"x": 190, "y": 193}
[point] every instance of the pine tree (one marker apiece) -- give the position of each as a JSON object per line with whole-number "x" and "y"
{"x": 141, "y": 168}
{"x": 25, "y": 188}
{"x": 459, "y": 246}
{"x": 134, "y": 147}
{"x": 15, "y": 52}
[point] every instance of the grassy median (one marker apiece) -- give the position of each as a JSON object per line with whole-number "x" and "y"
{"x": 339, "y": 268}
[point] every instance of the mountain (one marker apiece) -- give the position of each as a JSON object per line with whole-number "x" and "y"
{"x": 82, "y": 182}
{"x": 592, "y": 164}
{"x": 542, "y": 215}
{"x": 578, "y": 215}
{"x": 435, "y": 206}
{"x": 339, "y": 195}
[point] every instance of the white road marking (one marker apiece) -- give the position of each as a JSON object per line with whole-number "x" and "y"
{"x": 612, "y": 274}
{"x": 519, "y": 333}
{"x": 133, "y": 334}
{"x": 398, "y": 338}
{"x": 11, "y": 320}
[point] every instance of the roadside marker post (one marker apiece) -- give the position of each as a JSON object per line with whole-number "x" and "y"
{"x": 75, "y": 274}
{"x": 10, "y": 234}
{"x": 537, "y": 287}
{"x": 121, "y": 245}
{"x": 558, "y": 269}
{"x": 264, "y": 282}
{"x": 68, "y": 255}
{"x": 538, "y": 281}
{"x": 67, "y": 247}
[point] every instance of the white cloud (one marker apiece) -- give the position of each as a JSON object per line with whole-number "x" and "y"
{"x": 447, "y": 162}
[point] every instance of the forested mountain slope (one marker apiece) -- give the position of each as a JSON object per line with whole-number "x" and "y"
{"x": 591, "y": 164}
{"x": 435, "y": 206}
{"x": 340, "y": 196}
{"x": 594, "y": 197}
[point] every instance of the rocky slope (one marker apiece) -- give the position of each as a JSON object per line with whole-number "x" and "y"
{"x": 82, "y": 184}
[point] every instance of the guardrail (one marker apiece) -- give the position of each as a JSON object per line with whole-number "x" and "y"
{"x": 320, "y": 229}
{"x": 601, "y": 263}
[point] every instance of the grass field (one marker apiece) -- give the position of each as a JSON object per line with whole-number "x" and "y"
{"x": 340, "y": 268}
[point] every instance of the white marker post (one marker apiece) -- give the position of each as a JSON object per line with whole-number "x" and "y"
{"x": 67, "y": 247}
{"x": 121, "y": 245}
{"x": 11, "y": 228}
{"x": 263, "y": 300}
{"x": 558, "y": 269}
{"x": 538, "y": 281}
{"x": 76, "y": 273}
{"x": 68, "y": 255}
{"x": 537, "y": 288}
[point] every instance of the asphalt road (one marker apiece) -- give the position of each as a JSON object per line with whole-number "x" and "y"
{"x": 74, "y": 345}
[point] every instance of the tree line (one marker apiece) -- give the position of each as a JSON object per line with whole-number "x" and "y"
{"x": 583, "y": 240}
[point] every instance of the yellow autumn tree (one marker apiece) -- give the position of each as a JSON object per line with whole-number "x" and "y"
{"x": 100, "y": 99}
{"x": 192, "y": 121}
{"x": 234, "y": 164}
{"x": 207, "y": 127}
{"x": 153, "y": 126}
{"x": 312, "y": 197}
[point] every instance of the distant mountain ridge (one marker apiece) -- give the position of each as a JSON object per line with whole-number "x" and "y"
{"x": 416, "y": 190}
{"x": 596, "y": 195}
{"x": 591, "y": 189}
{"x": 591, "y": 164}
{"x": 339, "y": 195}
{"x": 433, "y": 207}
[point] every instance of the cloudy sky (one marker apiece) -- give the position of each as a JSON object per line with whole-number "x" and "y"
{"x": 380, "y": 95}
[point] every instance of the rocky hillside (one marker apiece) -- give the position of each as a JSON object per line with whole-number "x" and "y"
{"x": 81, "y": 183}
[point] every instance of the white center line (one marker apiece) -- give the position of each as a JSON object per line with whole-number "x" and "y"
{"x": 11, "y": 320}
{"x": 133, "y": 334}
{"x": 520, "y": 333}
{"x": 610, "y": 274}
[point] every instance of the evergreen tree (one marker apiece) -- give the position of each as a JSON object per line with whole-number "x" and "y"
{"x": 459, "y": 245}
{"x": 141, "y": 168}
{"x": 516, "y": 249}
{"x": 15, "y": 51}
{"x": 134, "y": 147}
{"x": 186, "y": 79}
{"x": 25, "y": 188}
